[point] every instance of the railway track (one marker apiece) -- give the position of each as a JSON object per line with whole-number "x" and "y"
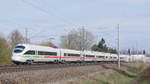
{"x": 20, "y": 68}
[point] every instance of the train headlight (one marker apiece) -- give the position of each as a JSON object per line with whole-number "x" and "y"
{"x": 15, "y": 58}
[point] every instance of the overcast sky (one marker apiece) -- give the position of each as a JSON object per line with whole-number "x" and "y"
{"x": 53, "y": 18}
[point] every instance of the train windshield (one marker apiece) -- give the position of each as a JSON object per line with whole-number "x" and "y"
{"x": 19, "y": 49}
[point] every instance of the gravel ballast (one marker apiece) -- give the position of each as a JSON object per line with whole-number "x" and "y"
{"x": 50, "y": 76}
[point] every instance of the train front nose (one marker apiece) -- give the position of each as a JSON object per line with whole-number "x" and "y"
{"x": 15, "y": 58}
{"x": 17, "y": 52}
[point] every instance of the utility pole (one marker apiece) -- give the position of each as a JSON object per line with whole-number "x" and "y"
{"x": 118, "y": 43}
{"x": 26, "y": 32}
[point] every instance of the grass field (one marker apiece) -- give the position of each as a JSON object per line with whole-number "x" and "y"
{"x": 109, "y": 77}
{"x": 135, "y": 73}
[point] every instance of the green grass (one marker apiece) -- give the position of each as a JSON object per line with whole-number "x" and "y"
{"x": 125, "y": 75}
{"x": 112, "y": 76}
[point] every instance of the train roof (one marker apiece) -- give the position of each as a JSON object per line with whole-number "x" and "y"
{"x": 28, "y": 46}
{"x": 39, "y": 47}
{"x": 70, "y": 51}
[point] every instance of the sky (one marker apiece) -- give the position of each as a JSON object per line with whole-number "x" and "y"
{"x": 46, "y": 19}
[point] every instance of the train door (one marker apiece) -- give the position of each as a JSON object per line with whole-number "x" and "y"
{"x": 28, "y": 55}
{"x": 81, "y": 56}
{"x": 59, "y": 55}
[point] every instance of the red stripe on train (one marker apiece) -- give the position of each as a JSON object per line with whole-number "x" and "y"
{"x": 68, "y": 57}
{"x": 79, "y": 57}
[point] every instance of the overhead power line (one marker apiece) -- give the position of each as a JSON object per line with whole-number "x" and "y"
{"x": 48, "y": 12}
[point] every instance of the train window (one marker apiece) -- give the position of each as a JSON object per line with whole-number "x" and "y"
{"x": 121, "y": 57}
{"x": 90, "y": 56}
{"x": 65, "y": 54}
{"x": 100, "y": 56}
{"x": 47, "y": 53}
{"x": 30, "y": 52}
{"x": 17, "y": 51}
{"x": 22, "y": 47}
{"x": 72, "y": 55}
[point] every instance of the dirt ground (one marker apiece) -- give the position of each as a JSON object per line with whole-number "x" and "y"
{"x": 52, "y": 76}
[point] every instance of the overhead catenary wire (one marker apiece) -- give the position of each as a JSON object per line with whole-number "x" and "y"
{"x": 37, "y": 33}
{"x": 48, "y": 12}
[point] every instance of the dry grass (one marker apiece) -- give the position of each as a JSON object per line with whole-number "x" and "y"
{"x": 143, "y": 77}
{"x": 140, "y": 66}
{"x": 108, "y": 76}
{"x": 125, "y": 75}
{"x": 95, "y": 74}
{"x": 46, "y": 76}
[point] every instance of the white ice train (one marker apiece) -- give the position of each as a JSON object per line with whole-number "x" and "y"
{"x": 26, "y": 53}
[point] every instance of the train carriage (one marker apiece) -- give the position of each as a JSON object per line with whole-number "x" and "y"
{"x": 70, "y": 55}
{"x": 89, "y": 56}
{"x": 114, "y": 57}
{"x": 31, "y": 53}
{"x": 107, "y": 57}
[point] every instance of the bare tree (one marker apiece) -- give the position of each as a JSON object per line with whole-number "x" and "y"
{"x": 77, "y": 39}
{"x": 48, "y": 43}
{"x": 70, "y": 40}
{"x": 86, "y": 39}
{"x": 15, "y": 38}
